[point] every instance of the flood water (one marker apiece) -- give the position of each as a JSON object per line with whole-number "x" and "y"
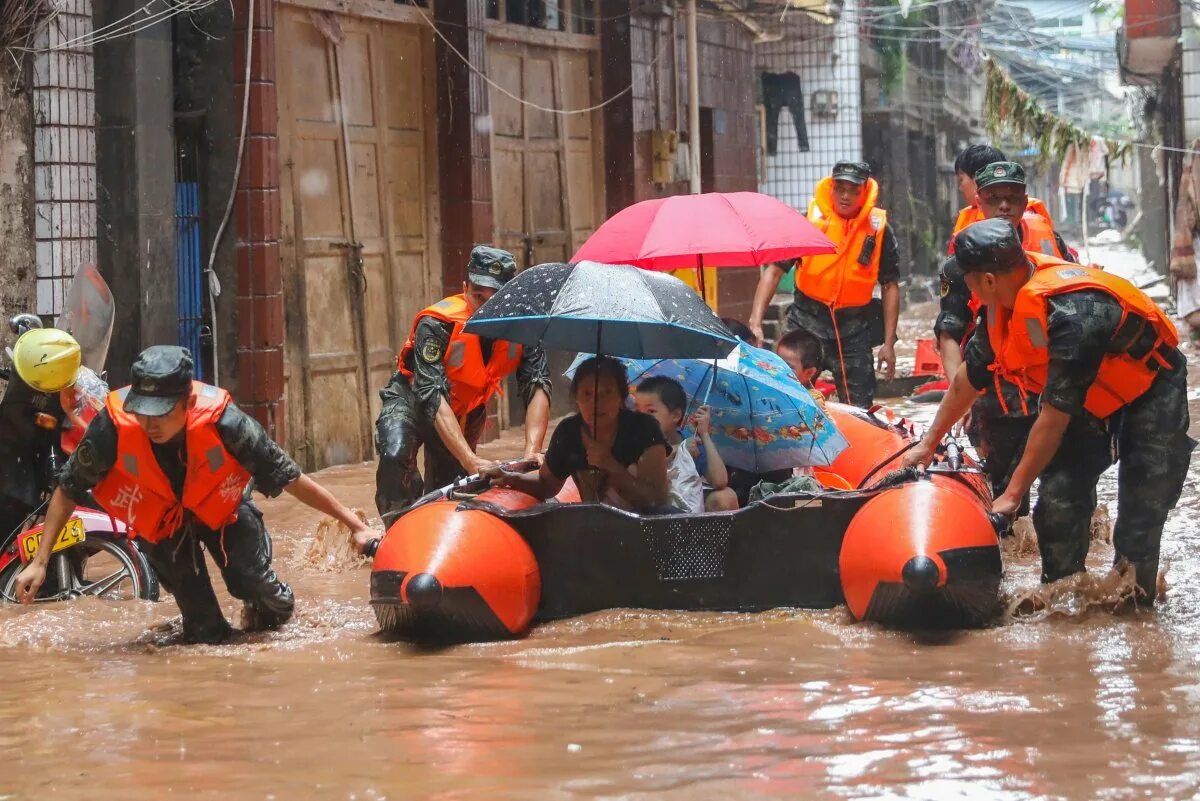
{"x": 1072, "y": 703}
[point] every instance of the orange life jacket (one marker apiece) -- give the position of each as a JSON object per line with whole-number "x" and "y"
{"x": 1019, "y": 336}
{"x": 839, "y": 280}
{"x": 1037, "y": 236}
{"x": 1039, "y": 228}
{"x": 472, "y": 380}
{"x": 137, "y": 491}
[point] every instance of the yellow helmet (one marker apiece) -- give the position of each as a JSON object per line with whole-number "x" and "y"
{"x": 47, "y": 359}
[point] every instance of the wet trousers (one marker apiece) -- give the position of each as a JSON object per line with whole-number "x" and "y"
{"x": 783, "y": 89}
{"x": 1003, "y": 440}
{"x": 1153, "y": 449}
{"x": 401, "y": 431}
{"x": 858, "y": 386}
{"x": 243, "y": 555}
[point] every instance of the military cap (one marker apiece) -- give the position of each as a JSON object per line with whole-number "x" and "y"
{"x": 490, "y": 267}
{"x": 162, "y": 375}
{"x": 856, "y": 172}
{"x": 1000, "y": 172}
{"x": 990, "y": 246}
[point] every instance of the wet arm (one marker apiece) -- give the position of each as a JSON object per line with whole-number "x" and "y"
{"x": 891, "y": 311}
{"x": 534, "y": 383}
{"x": 1044, "y": 439}
{"x": 540, "y": 483}
{"x": 313, "y": 495}
{"x": 715, "y": 470}
{"x": 768, "y": 283}
{"x": 432, "y": 388}
{"x": 649, "y": 488}
{"x": 954, "y": 317}
{"x": 60, "y": 511}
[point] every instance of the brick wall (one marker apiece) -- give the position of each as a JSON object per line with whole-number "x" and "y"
{"x": 464, "y": 143}
{"x": 260, "y": 375}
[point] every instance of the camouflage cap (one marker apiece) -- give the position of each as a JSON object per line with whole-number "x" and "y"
{"x": 856, "y": 172}
{"x": 162, "y": 375}
{"x": 490, "y": 267}
{"x": 1000, "y": 172}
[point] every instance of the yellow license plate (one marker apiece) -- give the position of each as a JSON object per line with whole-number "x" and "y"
{"x": 72, "y": 534}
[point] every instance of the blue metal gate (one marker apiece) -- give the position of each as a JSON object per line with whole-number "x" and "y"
{"x": 189, "y": 255}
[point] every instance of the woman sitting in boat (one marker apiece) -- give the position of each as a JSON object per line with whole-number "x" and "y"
{"x": 614, "y": 454}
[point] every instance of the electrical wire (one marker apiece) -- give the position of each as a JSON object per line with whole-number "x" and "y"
{"x": 214, "y": 283}
{"x": 504, "y": 91}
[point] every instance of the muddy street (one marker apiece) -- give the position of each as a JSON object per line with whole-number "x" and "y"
{"x": 1068, "y": 702}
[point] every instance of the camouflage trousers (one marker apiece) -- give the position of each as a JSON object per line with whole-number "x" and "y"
{"x": 1152, "y": 445}
{"x": 242, "y": 552}
{"x": 853, "y": 368}
{"x": 401, "y": 431}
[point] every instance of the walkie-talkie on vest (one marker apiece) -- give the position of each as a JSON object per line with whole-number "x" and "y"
{"x": 868, "y": 250}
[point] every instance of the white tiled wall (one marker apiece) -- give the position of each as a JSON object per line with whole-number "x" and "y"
{"x": 826, "y": 58}
{"x": 64, "y": 111}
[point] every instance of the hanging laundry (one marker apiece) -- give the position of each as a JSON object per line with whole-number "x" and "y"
{"x": 783, "y": 89}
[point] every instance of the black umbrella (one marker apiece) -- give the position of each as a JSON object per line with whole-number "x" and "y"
{"x": 604, "y": 308}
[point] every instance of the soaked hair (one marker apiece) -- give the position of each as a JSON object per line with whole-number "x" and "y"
{"x": 739, "y": 329}
{"x": 976, "y": 157}
{"x": 804, "y": 345}
{"x": 668, "y": 390}
{"x": 602, "y": 367}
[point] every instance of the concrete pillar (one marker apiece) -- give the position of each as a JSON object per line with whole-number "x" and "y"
{"x": 135, "y": 166}
{"x": 17, "y": 258}
{"x": 616, "y": 73}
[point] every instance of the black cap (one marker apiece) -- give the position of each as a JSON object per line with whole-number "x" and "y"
{"x": 1000, "y": 172}
{"x": 162, "y": 375}
{"x": 856, "y": 172}
{"x": 950, "y": 271}
{"x": 490, "y": 267}
{"x": 990, "y": 246}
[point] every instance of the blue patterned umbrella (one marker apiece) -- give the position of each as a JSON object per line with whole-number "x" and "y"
{"x": 762, "y": 417}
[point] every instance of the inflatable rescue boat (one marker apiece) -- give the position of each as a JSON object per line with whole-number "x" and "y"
{"x": 897, "y": 546}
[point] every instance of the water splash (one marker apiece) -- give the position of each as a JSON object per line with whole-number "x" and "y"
{"x": 331, "y": 549}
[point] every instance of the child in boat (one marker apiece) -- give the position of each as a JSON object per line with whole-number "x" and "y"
{"x": 665, "y": 401}
{"x": 803, "y": 353}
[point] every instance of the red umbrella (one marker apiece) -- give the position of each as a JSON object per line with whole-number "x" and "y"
{"x": 734, "y": 229}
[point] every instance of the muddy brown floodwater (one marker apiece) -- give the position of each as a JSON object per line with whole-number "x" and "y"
{"x": 1074, "y": 702}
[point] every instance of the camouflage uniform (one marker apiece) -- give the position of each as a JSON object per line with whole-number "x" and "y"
{"x": 1149, "y": 437}
{"x": 405, "y": 423}
{"x": 858, "y": 329}
{"x": 241, "y": 550}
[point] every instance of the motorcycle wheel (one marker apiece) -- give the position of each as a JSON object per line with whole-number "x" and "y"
{"x": 100, "y": 566}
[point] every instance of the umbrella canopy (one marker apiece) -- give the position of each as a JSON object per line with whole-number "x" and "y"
{"x": 735, "y": 229}
{"x": 604, "y": 308}
{"x": 762, "y": 418}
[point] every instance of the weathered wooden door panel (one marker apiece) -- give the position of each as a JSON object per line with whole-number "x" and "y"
{"x": 544, "y": 165}
{"x": 354, "y": 143}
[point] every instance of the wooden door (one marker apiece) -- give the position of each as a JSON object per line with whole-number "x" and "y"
{"x": 355, "y": 147}
{"x": 546, "y": 167}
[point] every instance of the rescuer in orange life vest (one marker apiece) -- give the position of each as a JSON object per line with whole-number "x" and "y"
{"x": 838, "y": 295}
{"x": 175, "y": 459}
{"x": 1000, "y": 420}
{"x": 1103, "y": 357}
{"x": 437, "y": 399}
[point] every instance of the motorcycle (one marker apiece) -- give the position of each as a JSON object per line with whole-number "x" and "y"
{"x": 95, "y": 555}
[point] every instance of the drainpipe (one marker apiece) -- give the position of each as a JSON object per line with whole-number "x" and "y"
{"x": 693, "y": 98}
